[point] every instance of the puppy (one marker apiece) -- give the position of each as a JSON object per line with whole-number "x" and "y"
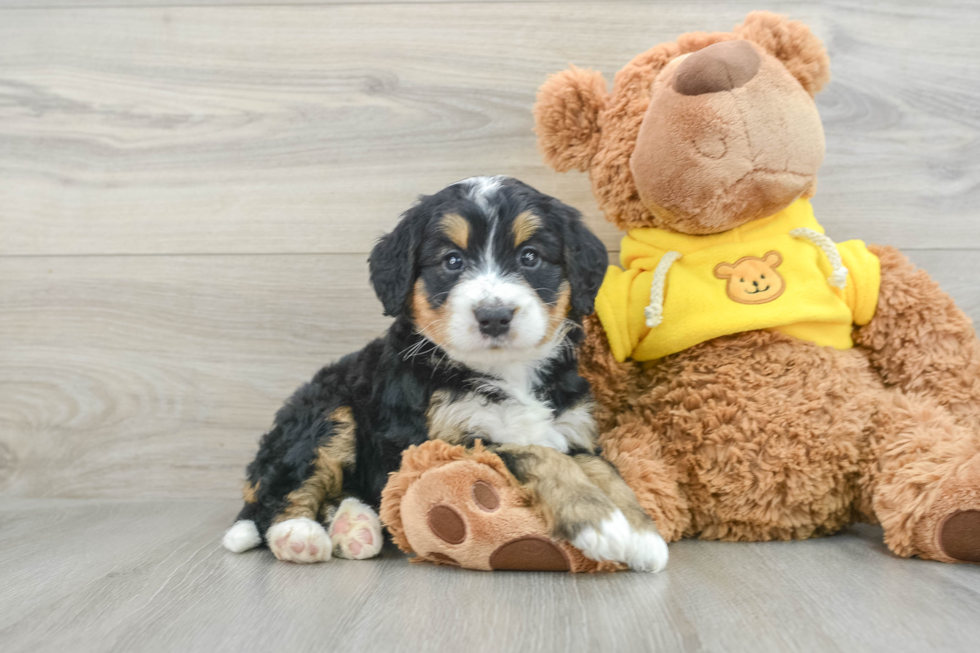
{"x": 487, "y": 280}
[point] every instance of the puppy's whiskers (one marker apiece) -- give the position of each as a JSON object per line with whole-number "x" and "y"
{"x": 412, "y": 350}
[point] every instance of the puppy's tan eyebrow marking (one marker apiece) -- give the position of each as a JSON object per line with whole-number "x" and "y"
{"x": 525, "y": 225}
{"x": 456, "y": 228}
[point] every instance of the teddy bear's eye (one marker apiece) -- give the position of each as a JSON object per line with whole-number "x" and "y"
{"x": 741, "y": 280}
{"x": 762, "y": 276}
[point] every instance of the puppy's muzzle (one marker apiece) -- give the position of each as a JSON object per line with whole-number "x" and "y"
{"x": 494, "y": 320}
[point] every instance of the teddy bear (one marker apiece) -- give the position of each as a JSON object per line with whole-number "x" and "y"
{"x": 753, "y": 379}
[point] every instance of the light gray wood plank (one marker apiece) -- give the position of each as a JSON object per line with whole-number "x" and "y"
{"x": 902, "y": 121}
{"x": 150, "y": 576}
{"x": 155, "y": 376}
{"x": 299, "y": 129}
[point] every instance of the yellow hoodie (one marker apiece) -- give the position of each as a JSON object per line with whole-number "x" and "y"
{"x": 779, "y": 273}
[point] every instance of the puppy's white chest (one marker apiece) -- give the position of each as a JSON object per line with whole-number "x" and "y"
{"x": 509, "y": 413}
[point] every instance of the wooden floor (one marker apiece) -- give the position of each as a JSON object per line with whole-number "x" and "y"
{"x": 188, "y": 191}
{"x": 97, "y": 575}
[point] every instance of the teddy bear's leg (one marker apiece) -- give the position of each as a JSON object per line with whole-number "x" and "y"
{"x": 632, "y": 449}
{"x": 927, "y": 472}
{"x": 923, "y": 480}
{"x": 920, "y": 342}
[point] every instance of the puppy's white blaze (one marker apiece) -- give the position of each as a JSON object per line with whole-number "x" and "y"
{"x": 481, "y": 188}
{"x": 615, "y": 540}
{"x": 242, "y": 536}
{"x": 527, "y": 328}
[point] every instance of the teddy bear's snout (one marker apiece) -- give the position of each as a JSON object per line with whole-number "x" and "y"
{"x": 720, "y": 67}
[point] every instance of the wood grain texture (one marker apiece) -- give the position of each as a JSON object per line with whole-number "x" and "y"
{"x": 155, "y": 376}
{"x": 151, "y": 576}
{"x": 309, "y": 128}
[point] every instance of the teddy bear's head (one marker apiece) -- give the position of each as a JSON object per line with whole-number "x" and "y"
{"x": 698, "y": 136}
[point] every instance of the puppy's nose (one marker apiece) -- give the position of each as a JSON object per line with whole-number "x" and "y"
{"x": 755, "y": 283}
{"x": 719, "y": 67}
{"x": 494, "y": 320}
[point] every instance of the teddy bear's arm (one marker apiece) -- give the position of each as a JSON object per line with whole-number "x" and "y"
{"x": 613, "y": 383}
{"x": 920, "y": 341}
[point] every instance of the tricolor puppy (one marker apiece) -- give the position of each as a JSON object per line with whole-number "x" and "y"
{"x": 487, "y": 281}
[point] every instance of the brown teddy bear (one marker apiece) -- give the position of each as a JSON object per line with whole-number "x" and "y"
{"x": 754, "y": 380}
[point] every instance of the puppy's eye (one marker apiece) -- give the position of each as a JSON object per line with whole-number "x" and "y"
{"x": 530, "y": 257}
{"x": 453, "y": 262}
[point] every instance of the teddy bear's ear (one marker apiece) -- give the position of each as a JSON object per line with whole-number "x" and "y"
{"x": 791, "y": 42}
{"x": 566, "y": 117}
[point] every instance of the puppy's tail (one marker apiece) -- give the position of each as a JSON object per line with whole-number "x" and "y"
{"x": 242, "y": 536}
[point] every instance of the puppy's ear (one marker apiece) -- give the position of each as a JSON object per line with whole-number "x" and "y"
{"x": 393, "y": 262}
{"x": 585, "y": 258}
{"x": 791, "y": 42}
{"x": 566, "y": 118}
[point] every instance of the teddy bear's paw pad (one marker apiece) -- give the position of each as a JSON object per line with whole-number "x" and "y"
{"x": 356, "y": 531}
{"x": 531, "y": 553}
{"x": 960, "y": 536}
{"x": 299, "y": 540}
{"x": 485, "y": 496}
{"x": 616, "y": 541}
{"x": 447, "y": 524}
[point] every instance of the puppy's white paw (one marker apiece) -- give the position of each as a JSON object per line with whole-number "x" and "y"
{"x": 615, "y": 540}
{"x": 242, "y": 536}
{"x": 647, "y": 551}
{"x": 356, "y": 531}
{"x": 299, "y": 540}
{"x": 608, "y": 542}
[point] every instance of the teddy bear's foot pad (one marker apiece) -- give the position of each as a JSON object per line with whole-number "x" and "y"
{"x": 527, "y": 553}
{"x": 960, "y": 536}
{"x": 530, "y": 553}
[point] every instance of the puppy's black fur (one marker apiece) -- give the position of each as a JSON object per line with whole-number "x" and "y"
{"x": 388, "y": 385}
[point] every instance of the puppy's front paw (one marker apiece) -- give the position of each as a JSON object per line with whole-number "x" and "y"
{"x": 356, "y": 531}
{"x": 299, "y": 540}
{"x": 647, "y": 551}
{"x": 615, "y": 540}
